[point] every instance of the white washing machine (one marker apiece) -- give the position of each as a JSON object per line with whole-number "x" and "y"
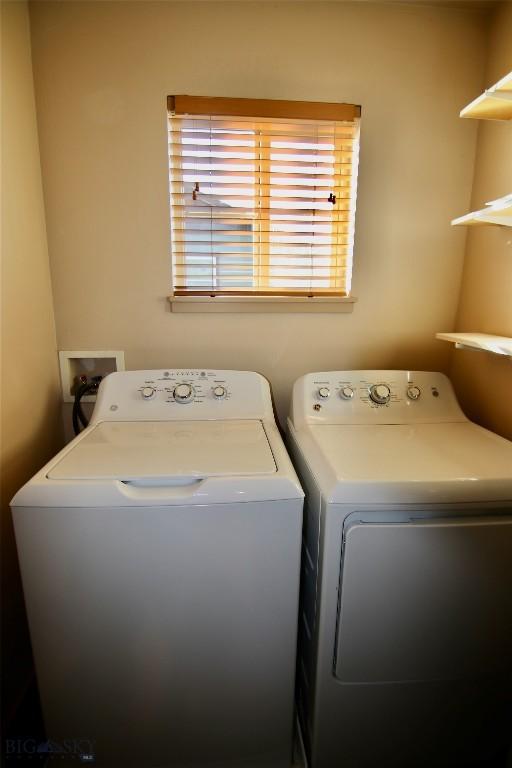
{"x": 405, "y": 648}
{"x": 160, "y": 556}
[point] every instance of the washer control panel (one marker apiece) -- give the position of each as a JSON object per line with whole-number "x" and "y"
{"x": 380, "y": 397}
{"x": 185, "y": 387}
{"x": 183, "y": 394}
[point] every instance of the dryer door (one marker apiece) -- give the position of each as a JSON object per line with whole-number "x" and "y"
{"x": 425, "y": 600}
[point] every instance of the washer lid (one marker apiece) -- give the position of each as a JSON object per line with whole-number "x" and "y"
{"x": 157, "y": 450}
{"x": 415, "y": 462}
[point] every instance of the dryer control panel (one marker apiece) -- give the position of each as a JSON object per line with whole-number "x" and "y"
{"x": 374, "y": 397}
{"x": 183, "y": 394}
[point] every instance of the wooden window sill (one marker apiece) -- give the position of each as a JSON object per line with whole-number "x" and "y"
{"x": 260, "y": 304}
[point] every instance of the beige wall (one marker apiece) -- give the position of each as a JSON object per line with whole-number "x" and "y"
{"x": 102, "y": 72}
{"x": 30, "y": 394}
{"x": 484, "y": 382}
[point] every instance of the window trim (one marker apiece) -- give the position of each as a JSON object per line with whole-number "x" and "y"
{"x": 259, "y": 304}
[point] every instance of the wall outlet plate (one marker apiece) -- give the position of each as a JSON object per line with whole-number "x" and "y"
{"x": 74, "y": 363}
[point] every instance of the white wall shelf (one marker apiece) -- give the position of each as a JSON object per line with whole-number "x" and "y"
{"x": 497, "y": 212}
{"x": 484, "y": 342}
{"x": 494, "y": 104}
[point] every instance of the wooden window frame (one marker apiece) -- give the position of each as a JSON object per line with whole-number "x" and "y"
{"x": 264, "y": 108}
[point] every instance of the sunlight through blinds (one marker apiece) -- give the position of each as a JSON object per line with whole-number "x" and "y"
{"x": 263, "y": 197}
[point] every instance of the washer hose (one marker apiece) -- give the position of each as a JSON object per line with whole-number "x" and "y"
{"x": 80, "y": 421}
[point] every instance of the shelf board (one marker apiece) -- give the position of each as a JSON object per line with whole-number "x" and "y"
{"x": 497, "y": 212}
{"x": 494, "y": 104}
{"x": 484, "y": 342}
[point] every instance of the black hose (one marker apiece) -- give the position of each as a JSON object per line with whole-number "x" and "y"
{"x": 81, "y": 416}
{"x": 80, "y": 421}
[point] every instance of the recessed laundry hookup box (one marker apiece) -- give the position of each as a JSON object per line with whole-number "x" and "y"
{"x": 74, "y": 364}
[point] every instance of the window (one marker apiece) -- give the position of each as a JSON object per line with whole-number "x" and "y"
{"x": 263, "y": 197}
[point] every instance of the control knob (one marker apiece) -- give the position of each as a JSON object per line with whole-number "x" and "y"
{"x": 380, "y": 393}
{"x": 219, "y": 392}
{"x": 183, "y": 393}
{"x": 413, "y": 392}
{"x": 324, "y": 393}
{"x": 147, "y": 393}
{"x": 346, "y": 393}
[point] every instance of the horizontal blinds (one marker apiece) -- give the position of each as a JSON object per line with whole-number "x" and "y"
{"x": 262, "y": 206}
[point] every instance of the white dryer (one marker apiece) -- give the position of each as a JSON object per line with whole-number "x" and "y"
{"x": 405, "y": 635}
{"x": 160, "y": 556}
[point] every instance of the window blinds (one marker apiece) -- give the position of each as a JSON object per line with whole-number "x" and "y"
{"x": 262, "y": 196}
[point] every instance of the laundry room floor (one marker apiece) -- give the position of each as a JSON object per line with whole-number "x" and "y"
{"x": 29, "y": 724}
